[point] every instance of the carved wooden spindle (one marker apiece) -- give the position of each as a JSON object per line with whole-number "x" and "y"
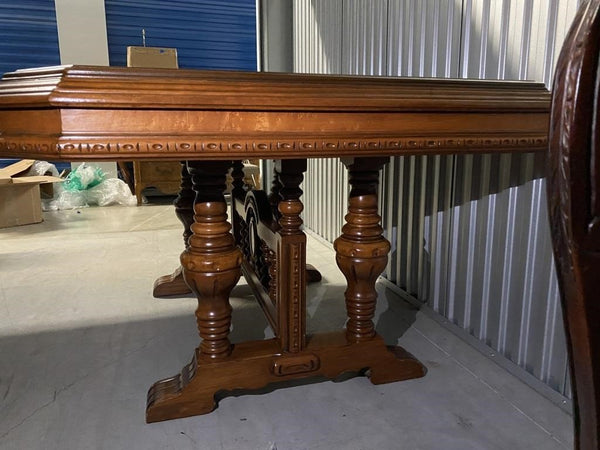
{"x": 574, "y": 206}
{"x": 238, "y": 191}
{"x": 290, "y": 220}
{"x": 291, "y": 276}
{"x": 237, "y": 173}
{"x": 290, "y": 176}
{"x": 244, "y": 240}
{"x": 184, "y": 203}
{"x": 361, "y": 250}
{"x": 274, "y": 194}
{"x": 211, "y": 263}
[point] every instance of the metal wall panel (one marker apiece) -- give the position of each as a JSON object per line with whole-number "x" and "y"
{"x": 469, "y": 234}
{"x": 424, "y": 41}
{"x": 423, "y": 38}
{"x": 364, "y": 37}
{"x": 501, "y": 285}
{"x": 317, "y": 31}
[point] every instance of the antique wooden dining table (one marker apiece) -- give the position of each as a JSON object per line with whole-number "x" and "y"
{"x": 212, "y": 121}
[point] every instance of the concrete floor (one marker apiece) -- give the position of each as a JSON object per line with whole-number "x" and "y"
{"x": 81, "y": 340}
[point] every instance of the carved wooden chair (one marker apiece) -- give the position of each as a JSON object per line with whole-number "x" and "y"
{"x": 574, "y": 203}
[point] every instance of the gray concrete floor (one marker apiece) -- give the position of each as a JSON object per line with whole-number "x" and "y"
{"x": 82, "y": 338}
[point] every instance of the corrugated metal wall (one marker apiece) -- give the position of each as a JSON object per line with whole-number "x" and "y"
{"x": 469, "y": 234}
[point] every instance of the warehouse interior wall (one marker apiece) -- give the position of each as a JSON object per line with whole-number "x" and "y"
{"x": 469, "y": 234}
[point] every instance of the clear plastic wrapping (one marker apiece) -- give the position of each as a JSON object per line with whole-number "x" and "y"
{"x": 87, "y": 185}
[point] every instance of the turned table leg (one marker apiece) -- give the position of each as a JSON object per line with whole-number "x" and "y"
{"x": 174, "y": 284}
{"x": 212, "y": 261}
{"x": 361, "y": 255}
{"x": 361, "y": 249}
{"x": 211, "y": 267}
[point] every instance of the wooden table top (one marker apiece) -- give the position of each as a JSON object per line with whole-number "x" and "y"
{"x": 117, "y": 113}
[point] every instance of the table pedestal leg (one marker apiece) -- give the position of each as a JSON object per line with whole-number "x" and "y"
{"x": 361, "y": 255}
{"x": 211, "y": 267}
{"x": 174, "y": 284}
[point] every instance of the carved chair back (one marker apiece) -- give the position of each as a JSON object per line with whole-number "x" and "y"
{"x": 574, "y": 204}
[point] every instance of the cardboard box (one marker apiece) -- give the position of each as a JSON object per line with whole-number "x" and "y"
{"x": 164, "y": 58}
{"x": 20, "y": 202}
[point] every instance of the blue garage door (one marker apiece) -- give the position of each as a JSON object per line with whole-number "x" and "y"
{"x": 207, "y": 34}
{"x": 28, "y": 37}
{"x": 28, "y": 34}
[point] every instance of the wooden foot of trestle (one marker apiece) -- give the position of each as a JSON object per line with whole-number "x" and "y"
{"x": 171, "y": 285}
{"x": 256, "y": 364}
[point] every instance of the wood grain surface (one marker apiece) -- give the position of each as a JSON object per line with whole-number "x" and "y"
{"x": 113, "y": 113}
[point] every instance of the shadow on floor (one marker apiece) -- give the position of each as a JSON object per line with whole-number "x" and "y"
{"x": 96, "y": 367}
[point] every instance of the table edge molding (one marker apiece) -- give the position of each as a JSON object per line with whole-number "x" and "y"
{"x": 176, "y": 147}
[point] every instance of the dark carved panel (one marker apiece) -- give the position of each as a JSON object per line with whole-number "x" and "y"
{"x": 574, "y": 204}
{"x": 256, "y": 250}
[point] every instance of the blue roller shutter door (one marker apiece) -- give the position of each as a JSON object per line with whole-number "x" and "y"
{"x": 28, "y": 34}
{"x": 206, "y": 34}
{"x": 28, "y": 37}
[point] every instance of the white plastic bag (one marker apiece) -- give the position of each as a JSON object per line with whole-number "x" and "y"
{"x": 109, "y": 192}
{"x": 43, "y": 168}
{"x": 83, "y": 177}
{"x": 86, "y": 186}
{"x": 64, "y": 199}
